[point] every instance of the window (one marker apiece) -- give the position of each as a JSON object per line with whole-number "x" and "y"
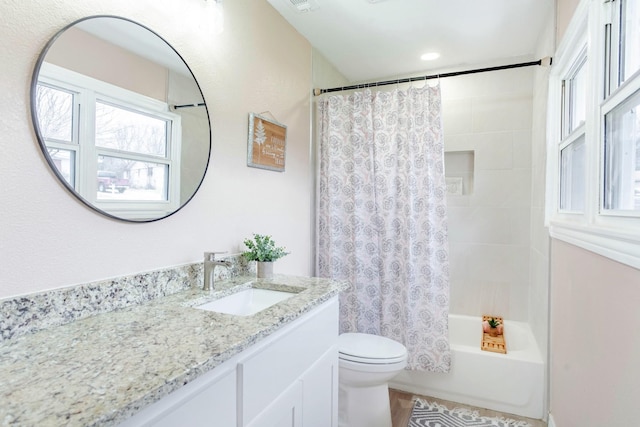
{"x": 619, "y": 112}
{"x": 624, "y": 40}
{"x": 56, "y": 108}
{"x": 572, "y": 141}
{"x": 574, "y": 90}
{"x": 117, "y": 149}
{"x": 130, "y": 144}
{"x": 572, "y": 176}
{"x": 594, "y": 131}
{"x": 622, "y": 156}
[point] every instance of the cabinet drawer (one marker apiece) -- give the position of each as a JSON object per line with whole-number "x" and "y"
{"x": 273, "y": 368}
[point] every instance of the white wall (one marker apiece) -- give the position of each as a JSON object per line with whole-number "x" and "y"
{"x": 564, "y": 12}
{"x": 258, "y": 64}
{"x": 114, "y": 65}
{"x": 595, "y": 348}
{"x": 491, "y": 114}
{"x": 325, "y": 75}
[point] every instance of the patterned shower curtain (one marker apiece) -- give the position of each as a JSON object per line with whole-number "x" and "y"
{"x": 382, "y": 223}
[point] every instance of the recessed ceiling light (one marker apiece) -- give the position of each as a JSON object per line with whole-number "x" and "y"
{"x": 430, "y": 56}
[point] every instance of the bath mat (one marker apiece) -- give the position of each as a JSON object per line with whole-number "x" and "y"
{"x": 431, "y": 414}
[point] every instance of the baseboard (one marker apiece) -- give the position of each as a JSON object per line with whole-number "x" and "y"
{"x": 551, "y": 422}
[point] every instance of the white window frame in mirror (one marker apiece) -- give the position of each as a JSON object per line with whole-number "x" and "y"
{"x": 89, "y": 90}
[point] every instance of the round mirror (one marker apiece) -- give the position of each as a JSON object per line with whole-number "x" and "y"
{"x": 120, "y": 119}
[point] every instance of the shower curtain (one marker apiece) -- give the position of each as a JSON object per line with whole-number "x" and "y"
{"x": 382, "y": 223}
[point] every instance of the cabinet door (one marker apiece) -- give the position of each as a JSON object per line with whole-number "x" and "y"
{"x": 208, "y": 401}
{"x": 284, "y": 411}
{"x": 272, "y": 367}
{"x": 320, "y": 392}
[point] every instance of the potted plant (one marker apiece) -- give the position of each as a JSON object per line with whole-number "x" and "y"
{"x": 264, "y": 251}
{"x": 492, "y": 326}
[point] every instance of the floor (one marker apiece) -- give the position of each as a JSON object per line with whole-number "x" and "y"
{"x": 401, "y": 404}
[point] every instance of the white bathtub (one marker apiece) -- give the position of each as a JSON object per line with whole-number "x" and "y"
{"x": 511, "y": 383}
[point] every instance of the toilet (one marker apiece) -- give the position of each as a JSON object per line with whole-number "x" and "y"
{"x": 366, "y": 363}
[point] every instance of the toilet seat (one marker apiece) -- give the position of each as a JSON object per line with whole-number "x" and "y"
{"x": 370, "y": 349}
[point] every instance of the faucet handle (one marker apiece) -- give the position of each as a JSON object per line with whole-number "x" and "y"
{"x": 211, "y": 256}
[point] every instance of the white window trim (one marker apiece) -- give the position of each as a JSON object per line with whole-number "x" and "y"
{"x": 607, "y": 233}
{"x": 55, "y": 75}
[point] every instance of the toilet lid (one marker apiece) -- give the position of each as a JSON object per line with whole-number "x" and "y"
{"x": 367, "y": 348}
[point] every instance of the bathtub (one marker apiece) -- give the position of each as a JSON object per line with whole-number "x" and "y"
{"x": 511, "y": 383}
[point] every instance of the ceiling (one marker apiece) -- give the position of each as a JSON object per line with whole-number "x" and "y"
{"x": 373, "y": 39}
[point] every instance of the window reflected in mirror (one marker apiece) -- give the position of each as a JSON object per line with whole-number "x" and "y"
{"x": 121, "y": 119}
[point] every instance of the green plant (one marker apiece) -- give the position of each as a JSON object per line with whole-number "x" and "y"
{"x": 493, "y": 322}
{"x": 263, "y": 249}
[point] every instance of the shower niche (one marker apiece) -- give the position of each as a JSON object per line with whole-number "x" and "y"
{"x": 459, "y": 168}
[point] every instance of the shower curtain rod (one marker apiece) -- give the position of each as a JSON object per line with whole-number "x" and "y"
{"x": 546, "y": 61}
{"x": 177, "y": 107}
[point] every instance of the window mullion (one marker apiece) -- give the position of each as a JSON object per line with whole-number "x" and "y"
{"x": 613, "y": 16}
{"x": 86, "y": 151}
{"x": 600, "y": 51}
{"x": 129, "y": 155}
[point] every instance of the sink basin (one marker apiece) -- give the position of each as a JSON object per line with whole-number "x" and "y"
{"x": 246, "y": 302}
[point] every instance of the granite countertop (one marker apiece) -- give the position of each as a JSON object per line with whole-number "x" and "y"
{"x": 103, "y": 369}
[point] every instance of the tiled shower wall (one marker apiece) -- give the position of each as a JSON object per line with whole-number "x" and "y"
{"x": 489, "y": 224}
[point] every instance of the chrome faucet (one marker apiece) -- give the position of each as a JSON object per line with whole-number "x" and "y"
{"x": 210, "y": 263}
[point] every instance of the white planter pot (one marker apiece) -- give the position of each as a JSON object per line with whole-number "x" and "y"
{"x": 265, "y": 270}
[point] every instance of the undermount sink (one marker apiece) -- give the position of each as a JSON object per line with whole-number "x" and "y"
{"x": 246, "y": 302}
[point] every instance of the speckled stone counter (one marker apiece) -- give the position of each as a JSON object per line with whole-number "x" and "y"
{"x": 102, "y": 369}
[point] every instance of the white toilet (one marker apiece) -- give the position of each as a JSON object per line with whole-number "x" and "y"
{"x": 366, "y": 364}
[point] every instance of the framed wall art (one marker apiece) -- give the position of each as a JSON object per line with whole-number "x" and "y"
{"x": 267, "y": 143}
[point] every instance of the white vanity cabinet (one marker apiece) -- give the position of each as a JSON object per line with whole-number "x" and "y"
{"x": 292, "y": 376}
{"x": 289, "y": 379}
